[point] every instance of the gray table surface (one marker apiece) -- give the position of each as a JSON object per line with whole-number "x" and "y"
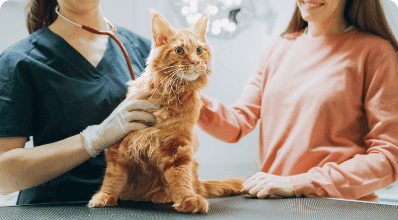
{"x": 236, "y": 207}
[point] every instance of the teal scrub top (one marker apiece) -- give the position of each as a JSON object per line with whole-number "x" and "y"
{"x": 48, "y": 90}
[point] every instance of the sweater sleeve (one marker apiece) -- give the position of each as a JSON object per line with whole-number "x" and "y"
{"x": 363, "y": 174}
{"x": 231, "y": 123}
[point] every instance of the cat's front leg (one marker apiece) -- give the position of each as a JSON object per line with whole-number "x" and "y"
{"x": 117, "y": 166}
{"x": 178, "y": 173}
{"x": 161, "y": 196}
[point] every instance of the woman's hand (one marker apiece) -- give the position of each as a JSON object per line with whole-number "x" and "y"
{"x": 127, "y": 117}
{"x": 195, "y": 142}
{"x": 263, "y": 185}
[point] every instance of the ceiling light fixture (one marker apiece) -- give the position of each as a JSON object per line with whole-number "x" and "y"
{"x": 227, "y": 18}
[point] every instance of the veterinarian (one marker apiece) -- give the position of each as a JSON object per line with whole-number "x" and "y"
{"x": 64, "y": 86}
{"x": 326, "y": 93}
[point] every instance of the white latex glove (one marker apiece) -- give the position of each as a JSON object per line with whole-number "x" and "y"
{"x": 125, "y": 118}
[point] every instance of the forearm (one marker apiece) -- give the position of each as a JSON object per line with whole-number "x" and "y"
{"x": 228, "y": 124}
{"x": 23, "y": 168}
{"x": 352, "y": 179}
{"x": 231, "y": 123}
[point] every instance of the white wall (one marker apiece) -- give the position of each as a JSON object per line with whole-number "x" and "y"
{"x": 12, "y": 23}
{"x": 391, "y": 9}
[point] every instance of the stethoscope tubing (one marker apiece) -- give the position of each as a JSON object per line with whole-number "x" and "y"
{"x": 111, "y": 34}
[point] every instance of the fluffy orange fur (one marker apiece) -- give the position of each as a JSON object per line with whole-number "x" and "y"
{"x": 157, "y": 164}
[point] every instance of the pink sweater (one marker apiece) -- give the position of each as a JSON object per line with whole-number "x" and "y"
{"x": 329, "y": 113}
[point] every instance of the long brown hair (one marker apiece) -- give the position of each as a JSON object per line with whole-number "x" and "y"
{"x": 366, "y": 15}
{"x": 39, "y": 14}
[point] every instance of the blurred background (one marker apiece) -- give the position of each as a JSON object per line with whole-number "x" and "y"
{"x": 238, "y": 31}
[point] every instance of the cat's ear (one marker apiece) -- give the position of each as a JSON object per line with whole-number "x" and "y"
{"x": 161, "y": 29}
{"x": 200, "y": 27}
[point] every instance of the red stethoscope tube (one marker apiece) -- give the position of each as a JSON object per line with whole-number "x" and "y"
{"x": 111, "y": 33}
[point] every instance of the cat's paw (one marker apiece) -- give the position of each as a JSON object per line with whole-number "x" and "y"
{"x": 161, "y": 197}
{"x": 196, "y": 204}
{"x": 101, "y": 200}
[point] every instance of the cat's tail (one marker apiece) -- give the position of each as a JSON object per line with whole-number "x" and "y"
{"x": 220, "y": 188}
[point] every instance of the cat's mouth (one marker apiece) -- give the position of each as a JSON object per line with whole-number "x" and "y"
{"x": 188, "y": 76}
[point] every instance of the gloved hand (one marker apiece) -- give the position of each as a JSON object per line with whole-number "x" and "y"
{"x": 125, "y": 118}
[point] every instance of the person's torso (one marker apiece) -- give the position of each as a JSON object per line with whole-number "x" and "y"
{"x": 312, "y": 102}
{"x": 71, "y": 94}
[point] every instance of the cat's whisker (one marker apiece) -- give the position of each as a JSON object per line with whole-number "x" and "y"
{"x": 167, "y": 67}
{"x": 179, "y": 98}
{"x": 171, "y": 87}
{"x": 175, "y": 76}
{"x": 167, "y": 84}
{"x": 164, "y": 89}
{"x": 147, "y": 105}
{"x": 171, "y": 82}
{"x": 172, "y": 79}
{"x": 163, "y": 69}
{"x": 175, "y": 85}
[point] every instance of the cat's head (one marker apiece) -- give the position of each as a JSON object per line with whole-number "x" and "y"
{"x": 180, "y": 54}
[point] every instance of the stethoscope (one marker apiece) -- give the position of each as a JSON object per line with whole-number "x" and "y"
{"x": 111, "y": 33}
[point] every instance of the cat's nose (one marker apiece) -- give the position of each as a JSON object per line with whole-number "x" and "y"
{"x": 195, "y": 63}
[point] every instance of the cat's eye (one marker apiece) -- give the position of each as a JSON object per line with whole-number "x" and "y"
{"x": 179, "y": 50}
{"x": 199, "y": 50}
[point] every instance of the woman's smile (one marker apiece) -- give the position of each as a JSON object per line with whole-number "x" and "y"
{"x": 312, "y": 5}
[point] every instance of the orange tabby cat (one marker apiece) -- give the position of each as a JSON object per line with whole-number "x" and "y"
{"x": 157, "y": 164}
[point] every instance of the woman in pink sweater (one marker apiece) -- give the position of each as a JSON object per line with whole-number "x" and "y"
{"x": 326, "y": 92}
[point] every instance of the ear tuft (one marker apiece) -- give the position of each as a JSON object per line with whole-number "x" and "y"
{"x": 153, "y": 12}
{"x": 161, "y": 29}
{"x": 200, "y": 27}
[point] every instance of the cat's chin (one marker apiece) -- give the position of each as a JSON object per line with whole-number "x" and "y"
{"x": 188, "y": 77}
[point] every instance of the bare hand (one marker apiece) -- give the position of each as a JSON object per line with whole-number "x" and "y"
{"x": 263, "y": 185}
